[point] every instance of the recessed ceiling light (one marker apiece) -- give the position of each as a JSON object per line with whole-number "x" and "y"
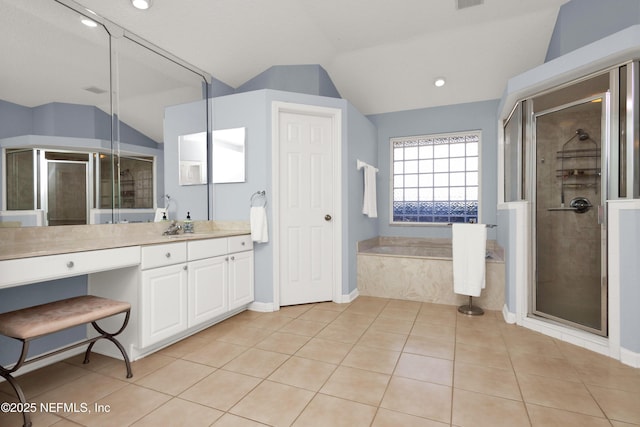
{"x": 89, "y": 23}
{"x": 439, "y": 82}
{"x": 141, "y": 4}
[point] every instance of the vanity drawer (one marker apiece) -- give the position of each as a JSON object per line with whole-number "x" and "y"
{"x": 201, "y": 249}
{"x": 240, "y": 243}
{"x": 38, "y": 269}
{"x": 160, "y": 255}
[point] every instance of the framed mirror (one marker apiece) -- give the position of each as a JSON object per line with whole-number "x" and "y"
{"x": 63, "y": 95}
{"x": 192, "y": 151}
{"x": 228, "y": 155}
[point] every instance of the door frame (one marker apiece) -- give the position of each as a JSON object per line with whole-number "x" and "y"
{"x": 335, "y": 114}
{"x": 600, "y": 205}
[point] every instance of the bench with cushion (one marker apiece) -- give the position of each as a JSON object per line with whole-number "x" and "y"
{"x": 30, "y": 323}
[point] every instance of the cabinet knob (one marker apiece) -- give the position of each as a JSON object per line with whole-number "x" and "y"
{"x": 70, "y": 264}
{"x": 184, "y": 268}
{"x": 226, "y": 258}
{"x": 243, "y": 243}
{"x": 168, "y": 255}
{"x": 232, "y": 258}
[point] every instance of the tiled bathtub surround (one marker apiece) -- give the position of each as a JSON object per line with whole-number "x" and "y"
{"x": 421, "y": 269}
{"x": 371, "y": 363}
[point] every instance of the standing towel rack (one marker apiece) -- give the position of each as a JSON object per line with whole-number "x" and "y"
{"x": 262, "y": 194}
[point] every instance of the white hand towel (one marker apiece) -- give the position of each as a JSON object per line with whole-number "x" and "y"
{"x": 469, "y": 250}
{"x": 258, "y": 220}
{"x": 369, "y": 205}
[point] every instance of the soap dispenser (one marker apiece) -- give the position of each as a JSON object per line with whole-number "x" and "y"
{"x": 187, "y": 226}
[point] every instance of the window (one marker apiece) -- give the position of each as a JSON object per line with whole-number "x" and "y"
{"x": 435, "y": 178}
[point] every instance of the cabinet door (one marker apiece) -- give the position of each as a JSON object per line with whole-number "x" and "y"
{"x": 207, "y": 289}
{"x": 240, "y": 279}
{"x": 163, "y": 308}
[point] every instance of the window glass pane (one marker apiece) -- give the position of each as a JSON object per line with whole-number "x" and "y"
{"x": 398, "y": 195}
{"x": 425, "y": 165}
{"x": 457, "y": 150}
{"x": 457, "y": 193}
{"x": 426, "y": 180}
{"x": 457, "y": 165}
{"x": 441, "y": 165}
{"x": 472, "y": 149}
{"x": 410, "y": 153}
{"x": 410, "y": 181}
{"x": 398, "y": 181}
{"x": 426, "y": 194}
{"x": 398, "y": 168}
{"x": 441, "y": 193}
{"x": 472, "y": 193}
{"x": 472, "y": 163}
{"x": 19, "y": 178}
{"x": 426, "y": 152}
{"x": 512, "y": 138}
{"x": 411, "y": 194}
{"x": 411, "y": 167}
{"x": 472, "y": 178}
{"x": 441, "y": 180}
{"x": 457, "y": 179}
{"x": 398, "y": 153}
{"x": 440, "y": 151}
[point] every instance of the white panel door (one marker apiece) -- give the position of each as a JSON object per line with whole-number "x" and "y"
{"x": 306, "y": 208}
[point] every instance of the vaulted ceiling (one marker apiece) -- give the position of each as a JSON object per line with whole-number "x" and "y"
{"x": 382, "y": 55}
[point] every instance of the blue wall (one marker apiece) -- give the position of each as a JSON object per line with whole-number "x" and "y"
{"x": 309, "y": 79}
{"x": 40, "y": 293}
{"x": 581, "y": 22}
{"x": 629, "y": 279}
{"x": 451, "y": 118}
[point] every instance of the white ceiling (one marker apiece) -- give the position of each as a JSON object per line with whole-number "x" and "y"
{"x": 382, "y": 55}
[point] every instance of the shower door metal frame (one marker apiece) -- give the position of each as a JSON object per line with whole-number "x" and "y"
{"x": 605, "y": 136}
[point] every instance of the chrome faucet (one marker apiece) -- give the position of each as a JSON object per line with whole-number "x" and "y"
{"x": 173, "y": 229}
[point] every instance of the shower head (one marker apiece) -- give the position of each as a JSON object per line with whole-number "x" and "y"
{"x": 582, "y": 135}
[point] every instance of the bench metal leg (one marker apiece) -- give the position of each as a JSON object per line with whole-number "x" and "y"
{"x": 110, "y": 337}
{"x": 6, "y": 374}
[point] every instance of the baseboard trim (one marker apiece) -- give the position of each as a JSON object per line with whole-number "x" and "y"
{"x": 509, "y": 317}
{"x": 630, "y": 358}
{"x": 263, "y": 307}
{"x": 347, "y": 298}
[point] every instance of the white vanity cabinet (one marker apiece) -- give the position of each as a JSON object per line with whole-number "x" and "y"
{"x": 191, "y": 284}
{"x": 163, "y": 292}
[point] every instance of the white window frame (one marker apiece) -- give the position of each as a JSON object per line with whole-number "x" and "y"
{"x": 421, "y": 141}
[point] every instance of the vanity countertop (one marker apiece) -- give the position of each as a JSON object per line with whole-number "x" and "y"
{"x": 40, "y": 241}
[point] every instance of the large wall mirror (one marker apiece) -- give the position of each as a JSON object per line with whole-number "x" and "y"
{"x": 82, "y": 104}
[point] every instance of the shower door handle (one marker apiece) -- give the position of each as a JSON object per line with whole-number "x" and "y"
{"x": 601, "y": 214}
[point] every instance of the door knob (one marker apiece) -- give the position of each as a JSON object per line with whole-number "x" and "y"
{"x": 327, "y": 217}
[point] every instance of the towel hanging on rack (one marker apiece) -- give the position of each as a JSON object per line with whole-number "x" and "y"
{"x": 369, "y": 205}
{"x": 258, "y": 217}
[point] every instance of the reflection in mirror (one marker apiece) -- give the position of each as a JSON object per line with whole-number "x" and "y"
{"x": 192, "y": 152}
{"x": 227, "y": 155}
{"x": 54, "y": 97}
{"x": 59, "y": 97}
{"x": 148, "y": 83}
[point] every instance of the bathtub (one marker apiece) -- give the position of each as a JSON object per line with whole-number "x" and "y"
{"x": 421, "y": 269}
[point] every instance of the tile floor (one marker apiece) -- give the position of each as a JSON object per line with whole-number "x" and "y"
{"x": 374, "y": 362}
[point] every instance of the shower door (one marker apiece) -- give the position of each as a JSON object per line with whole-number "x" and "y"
{"x": 570, "y": 236}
